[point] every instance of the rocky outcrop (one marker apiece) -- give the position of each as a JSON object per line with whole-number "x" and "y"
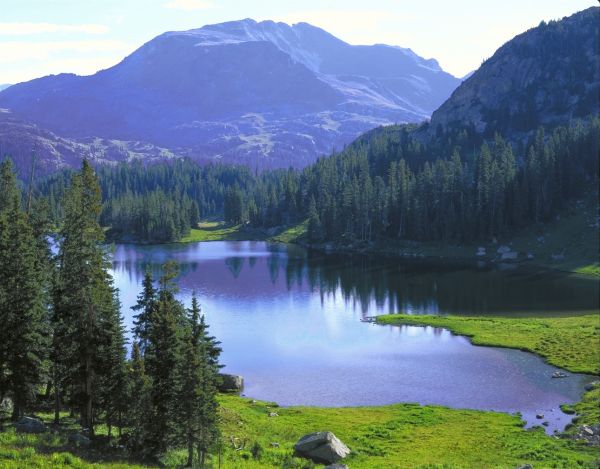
{"x": 30, "y": 425}
{"x": 589, "y": 433}
{"x": 231, "y": 383}
{"x": 543, "y": 77}
{"x": 322, "y": 447}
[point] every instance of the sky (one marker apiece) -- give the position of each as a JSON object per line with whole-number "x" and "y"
{"x": 42, "y": 37}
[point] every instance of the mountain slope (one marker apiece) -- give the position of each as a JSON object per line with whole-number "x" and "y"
{"x": 266, "y": 94}
{"x": 545, "y": 76}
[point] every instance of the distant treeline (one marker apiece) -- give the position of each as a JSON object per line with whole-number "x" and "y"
{"x": 393, "y": 183}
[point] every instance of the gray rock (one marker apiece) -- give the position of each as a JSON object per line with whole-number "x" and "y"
{"x": 336, "y": 466}
{"x": 323, "y": 447}
{"x": 273, "y": 414}
{"x": 6, "y": 405}
{"x": 558, "y": 257}
{"x": 79, "y": 440}
{"x": 525, "y": 466}
{"x": 30, "y": 425}
{"x": 530, "y": 256}
{"x": 559, "y": 374}
{"x": 480, "y": 251}
{"x": 510, "y": 255}
{"x": 539, "y": 416}
{"x": 503, "y": 249}
{"x": 274, "y": 444}
{"x": 231, "y": 383}
{"x": 592, "y": 385}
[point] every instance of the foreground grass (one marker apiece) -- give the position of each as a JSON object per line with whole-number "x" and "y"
{"x": 570, "y": 342}
{"x": 395, "y": 436}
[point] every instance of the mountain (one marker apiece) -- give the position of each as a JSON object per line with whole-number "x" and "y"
{"x": 4, "y": 86}
{"x": 265, "y": 94}
{"x": 546, "y": 76}
{"x": 20, "y": 138}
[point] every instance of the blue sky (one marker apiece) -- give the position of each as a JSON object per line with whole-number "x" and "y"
{"x": 40, "y": 37}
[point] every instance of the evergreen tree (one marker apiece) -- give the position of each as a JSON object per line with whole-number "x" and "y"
{"x": 161, "y": 358}
{"x": 144, "y": 308}
{"x": 86, "y": 309}
{"x": 23, "y": 315}
{"x": 197, "y": 386}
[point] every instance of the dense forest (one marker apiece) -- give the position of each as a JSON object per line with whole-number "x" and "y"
{"x": 390, "y": 184}
{"x": 62, "y": 341}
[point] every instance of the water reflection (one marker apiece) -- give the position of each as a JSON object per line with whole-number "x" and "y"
{"x": 289, "y": 323}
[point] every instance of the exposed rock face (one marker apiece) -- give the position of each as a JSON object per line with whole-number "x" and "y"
{"x": 30, "y": 425}
{"x": 545, "y": 76}
{"x": 323, "y": 447}
{"x": 231, "y": 383}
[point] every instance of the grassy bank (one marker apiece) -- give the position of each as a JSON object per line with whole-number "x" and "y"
{"x": 395, "y": 436}
{"x": 220, "y": 231}
{"x": 569, "y": 342}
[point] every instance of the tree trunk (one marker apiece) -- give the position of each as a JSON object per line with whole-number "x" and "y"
{"x": 56, "y": 403}
{"x": 190, "y": 459}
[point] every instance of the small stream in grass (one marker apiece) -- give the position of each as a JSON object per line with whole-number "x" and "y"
{"x": 290, "y": 322}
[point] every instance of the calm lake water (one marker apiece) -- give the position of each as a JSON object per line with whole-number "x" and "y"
{"x": 290, "y": 323}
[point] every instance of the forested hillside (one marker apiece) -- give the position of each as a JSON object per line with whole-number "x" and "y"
{"x": 483, "y": 176}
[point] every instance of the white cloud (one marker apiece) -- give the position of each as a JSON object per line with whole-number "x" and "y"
{"x": 21, "y": 51}
{"x": 24, "y": 29}
{"x": 188, "y": 5}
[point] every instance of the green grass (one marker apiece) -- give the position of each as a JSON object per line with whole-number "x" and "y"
{"x": 394, "y": 436}
{"x": 399, "y": 436}
{"x": 220, "y": 231}
{"x": 293, "y": 234}
{"x": 215, "y": 231}
{"x": 569, "y": 342}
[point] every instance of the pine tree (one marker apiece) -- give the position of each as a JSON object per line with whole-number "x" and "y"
{"x": 139, "y": 397}
{"x": 161, "y": 360}
{"x": 86, "y": 308}
{"x": 23, "y": 315}
{"x": 197, "y": 376}
{"x": 144, "y": 308}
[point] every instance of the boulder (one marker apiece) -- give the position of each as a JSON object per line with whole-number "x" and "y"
{"x": 503, "y": 249}
{"x": 509, "y": 256}
{"x": 558, "y": 257}
{"x": 79, "y": 440}
{"x": 6, "y": 405}
{"x": 525, "y": 466}
{"x": 539, "y": 416}
{"x": 336, "y": 466}
{"x": 231, "y": 383}
{"x": 592, "y": 385}
{"x": 559, "y": 374}
{"x": 321, "y": 447}
{"x": 30, "y": 425}
{"x": 480, "y": 251}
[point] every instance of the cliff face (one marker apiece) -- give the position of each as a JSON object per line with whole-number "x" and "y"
{"x": 545, "y": 76}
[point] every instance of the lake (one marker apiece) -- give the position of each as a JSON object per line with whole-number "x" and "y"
{"x": 290, "y": 322}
